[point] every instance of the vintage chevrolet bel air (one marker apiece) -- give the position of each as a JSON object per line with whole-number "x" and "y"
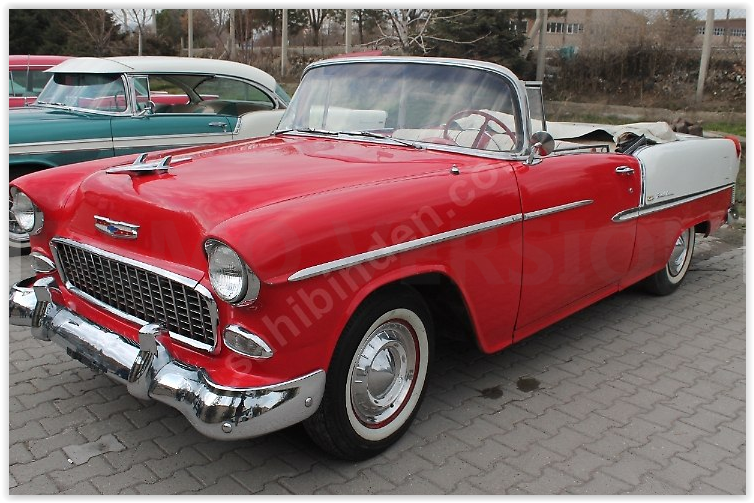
{"x": 307, "y": 275}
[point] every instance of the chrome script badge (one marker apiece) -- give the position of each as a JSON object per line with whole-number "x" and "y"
{"x": 121, "y": 230}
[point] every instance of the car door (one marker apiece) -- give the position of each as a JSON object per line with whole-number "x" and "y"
{"x": 140, "y": 133}
{"x": 573, "y": 250}
{"x": 184, "y": 126}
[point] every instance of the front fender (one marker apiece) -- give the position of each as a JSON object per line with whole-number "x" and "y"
{"x": 283, "y": 238}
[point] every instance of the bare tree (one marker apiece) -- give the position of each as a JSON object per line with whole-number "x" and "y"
{"x": 141, "y": 17}
{"x": 220, "y": 19}
{"x": 408, "y": 28}
{"x": 316, "y": 19}
{"x": 95, "y": 25}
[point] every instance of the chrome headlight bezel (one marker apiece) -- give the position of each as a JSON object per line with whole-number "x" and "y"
{"x": 23, "y": 209}
{"x": 221, "y": 257}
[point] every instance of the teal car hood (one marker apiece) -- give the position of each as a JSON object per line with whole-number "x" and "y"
{"x": 38, "y": 124}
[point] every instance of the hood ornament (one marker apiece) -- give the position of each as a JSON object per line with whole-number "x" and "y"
{"x": 120, "y": 230}
{"x": 139, "y": 166}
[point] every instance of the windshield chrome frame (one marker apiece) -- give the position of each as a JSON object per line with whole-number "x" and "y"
{"x": 516, "y": 86}
{"x": 127, "y": 112}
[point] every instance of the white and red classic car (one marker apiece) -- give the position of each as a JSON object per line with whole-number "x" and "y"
{"x": 305, "y": 276}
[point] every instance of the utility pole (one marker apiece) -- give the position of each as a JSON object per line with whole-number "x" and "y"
{"x": 348, "y": 30}
{"x": 284, "y": 43}
{"x": 542, "y": 52}
{"x": 709, "y": 27}
{"x": 232, "y": 34}
{"x": 190, "y": 33}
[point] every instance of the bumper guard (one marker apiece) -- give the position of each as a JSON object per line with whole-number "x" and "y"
{"x": 149, "y": 371}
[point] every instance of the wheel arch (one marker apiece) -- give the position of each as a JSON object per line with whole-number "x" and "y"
{"x": 444, "y": 297}
{"x": 16, "y": 170}
{"x": 703, "y": 227}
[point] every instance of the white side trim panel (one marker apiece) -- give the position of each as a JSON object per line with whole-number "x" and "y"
{"x": 687, "y": 167}
{"x": 171, "y": 140}
{"x": 60, "y": 146}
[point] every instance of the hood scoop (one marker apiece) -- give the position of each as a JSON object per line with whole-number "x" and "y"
{"x": 141, "y": 167}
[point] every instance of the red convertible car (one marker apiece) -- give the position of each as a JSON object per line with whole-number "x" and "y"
{"x": 305, "y": 276}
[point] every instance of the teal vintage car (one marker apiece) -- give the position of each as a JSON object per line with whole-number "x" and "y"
{"x": 94, "y": 108}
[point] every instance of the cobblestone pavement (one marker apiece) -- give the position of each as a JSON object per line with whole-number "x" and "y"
{"x": 636, "y": 394}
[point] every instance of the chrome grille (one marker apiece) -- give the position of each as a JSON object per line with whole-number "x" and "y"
{"x": 138, "y": 293}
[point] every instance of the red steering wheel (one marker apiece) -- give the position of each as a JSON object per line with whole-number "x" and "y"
{"x": 483, "y": 137}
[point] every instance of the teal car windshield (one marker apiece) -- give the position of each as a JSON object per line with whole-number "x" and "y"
{"x": 97, "y": 92}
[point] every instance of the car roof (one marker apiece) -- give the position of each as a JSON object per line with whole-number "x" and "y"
{"x": 33, "y": 60}
{"x": 166, "y": 64}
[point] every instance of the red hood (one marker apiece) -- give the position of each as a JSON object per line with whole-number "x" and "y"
{"x": 176, "y": 210}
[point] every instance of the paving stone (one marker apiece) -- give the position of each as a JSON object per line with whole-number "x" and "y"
{"x": 115, "y": 483}
{"x": 450, "y": 474}
{"x": 600, "y": 483}
{"x": 308, "y": 482}
{"x": 225, "y": 485}
{"x": 66, "y": 479}
{"x": 42, "y": 447}
{"x": 41, "y": 484}
{"x": 25, "y": 472}
{"x": 82, "y": 453}
{"x": 728, "y": 479}
{"x": 180, "y": 482}
{"x": 682, "y": 473}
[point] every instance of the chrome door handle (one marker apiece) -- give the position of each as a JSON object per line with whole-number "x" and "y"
{"x": 221, "y": 124}
{"x": 624, "y": 170}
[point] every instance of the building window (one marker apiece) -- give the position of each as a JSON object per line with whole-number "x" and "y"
{"x": 569, "y": 28}
{"x": 700, "y": 30}
{"x": 738, "y": 32}
{"x": 719, "y": 31}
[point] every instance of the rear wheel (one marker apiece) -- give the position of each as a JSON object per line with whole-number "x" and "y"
{"x": 376, "y": 378}
{"x": 666, "y": 280}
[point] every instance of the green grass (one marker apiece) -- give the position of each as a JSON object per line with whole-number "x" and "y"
{"x": 738, "y": 128}
{"x": 588, "y": 118}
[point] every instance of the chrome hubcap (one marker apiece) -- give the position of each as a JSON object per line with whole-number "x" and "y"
{"x": 678, "y": 257}
{"x": 383, "y": 373}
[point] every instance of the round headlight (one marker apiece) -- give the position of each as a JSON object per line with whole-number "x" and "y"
{"x": 230, "y": 277}
{"x": 27, "y": 215}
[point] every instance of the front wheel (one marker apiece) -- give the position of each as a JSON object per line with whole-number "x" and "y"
{"x": 376, "y": 378}
{"x": 666, "y": 280}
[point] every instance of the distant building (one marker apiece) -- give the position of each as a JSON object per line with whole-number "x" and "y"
{"x": 590, "y": 29}
{"x": 584, "y": 29}
{"x": 727, "y": 33}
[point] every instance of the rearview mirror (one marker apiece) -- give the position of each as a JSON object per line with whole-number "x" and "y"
{"x": 542, "y": 144}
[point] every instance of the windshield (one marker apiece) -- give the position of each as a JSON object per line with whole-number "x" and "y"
{"x": 27, "y": 82}
{"x": 430, "y": 103}
{"x": 103, "y": 93}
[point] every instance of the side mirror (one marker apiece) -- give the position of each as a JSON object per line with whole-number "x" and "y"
{"x": 148, "y": 108}
{"x": 542, "y": 144}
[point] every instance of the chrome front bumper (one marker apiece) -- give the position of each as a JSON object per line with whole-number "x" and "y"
{"x": 150, "y": 372}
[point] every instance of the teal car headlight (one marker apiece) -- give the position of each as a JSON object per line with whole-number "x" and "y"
{"x": 232, "y": 280}
{"x": 28, "y": 216}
